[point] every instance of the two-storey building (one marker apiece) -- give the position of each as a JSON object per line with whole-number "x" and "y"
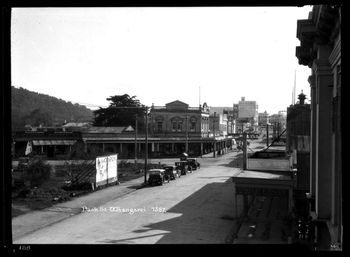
{"x": 179, "y": 128}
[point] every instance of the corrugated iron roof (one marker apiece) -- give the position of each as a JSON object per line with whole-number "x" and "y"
{"x": 76, "y": 124}
{"x": 54, "y": 142}
{"x": 108, "y": 129}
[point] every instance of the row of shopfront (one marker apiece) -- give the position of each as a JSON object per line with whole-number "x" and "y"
{"x": 64, "y": 144}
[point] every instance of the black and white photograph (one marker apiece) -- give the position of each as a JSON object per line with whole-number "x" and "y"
{"x": 176, "y": 125}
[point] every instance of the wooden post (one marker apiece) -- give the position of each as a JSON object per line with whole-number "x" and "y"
{"x": 146, "y": 144}
{"x": 186, "y": 145}
{"x": 135, "y": 138}
{"x": 245, "y": 151}
{"x": 267, "y": 134}
{"x": 214, "y": 132}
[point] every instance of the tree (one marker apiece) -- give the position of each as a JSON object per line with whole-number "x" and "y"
{"x": 38, "y": 117}
{"x": 37, "y": 172}
{"x": 121, "y": 112}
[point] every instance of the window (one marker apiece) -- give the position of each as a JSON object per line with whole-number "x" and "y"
{"x": 174, "y": 125}
{"x": 192, "y": 126}
{"x": 193, "y": 122}
{"x": 179, "y": 126}
{"x": 159, "y": 126}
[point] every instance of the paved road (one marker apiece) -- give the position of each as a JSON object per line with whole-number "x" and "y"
{"x": 196, "y": 208}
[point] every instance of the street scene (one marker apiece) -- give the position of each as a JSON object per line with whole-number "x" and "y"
{"x": 148, "y": 126}
{"x": 195, "y": 208}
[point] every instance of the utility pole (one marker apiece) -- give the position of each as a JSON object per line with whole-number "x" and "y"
{"x": 245, "y": 151}
{"x": 214, "y": 122}
{"x": 146, "y": 144}
{"x": 135, "y": 138}
{"x": 186, "y": 146}
{"x": 267, "y": 134}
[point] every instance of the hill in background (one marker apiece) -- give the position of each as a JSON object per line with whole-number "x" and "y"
{"x": 35, "y": 109}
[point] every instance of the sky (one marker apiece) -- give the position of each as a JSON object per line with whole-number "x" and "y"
{"x": 193, "y": 54}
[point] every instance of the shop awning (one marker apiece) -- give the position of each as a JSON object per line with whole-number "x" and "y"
{"x": 54, "y": 142}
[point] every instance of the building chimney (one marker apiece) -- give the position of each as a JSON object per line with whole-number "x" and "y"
{"x": 301, "y": 98}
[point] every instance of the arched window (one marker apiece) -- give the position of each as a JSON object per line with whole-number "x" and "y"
{"x": 159, "y": 123}
{"x": 193, "y": 122}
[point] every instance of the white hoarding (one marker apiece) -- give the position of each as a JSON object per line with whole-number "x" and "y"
{"x": 101, "y": 171}
{"x": 106, "y": 169}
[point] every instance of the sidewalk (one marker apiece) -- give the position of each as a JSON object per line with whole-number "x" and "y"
{"x": 35, "y": 220}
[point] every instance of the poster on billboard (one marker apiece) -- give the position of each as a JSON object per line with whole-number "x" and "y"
{"x": 101, "y": 171}
{"x": 112, "y": 166}
{"x": 106, "y": 169}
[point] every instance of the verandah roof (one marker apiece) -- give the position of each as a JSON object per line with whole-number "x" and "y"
{"x": 54, "y": 142}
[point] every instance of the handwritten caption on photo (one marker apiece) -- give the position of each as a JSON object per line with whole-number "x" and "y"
{"x": 123, "y": 210}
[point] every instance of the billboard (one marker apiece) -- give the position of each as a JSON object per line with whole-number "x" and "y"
{"x": 106, "y": 169}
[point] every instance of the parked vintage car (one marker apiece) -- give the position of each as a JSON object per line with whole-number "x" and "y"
{"x": 156, "y": 176}
{"x": 172, "y": 172}
{"x": 183, "y": 167}
{"x": 193, "y": 163}
{"x": 183, "y": 157}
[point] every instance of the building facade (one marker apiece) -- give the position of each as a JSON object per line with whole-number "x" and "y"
{"x": 263, "y": 118}
{"x": 180, "y": 128}
{"x": 320, "y": 50}
{"x": 248, "y": 110}
{"x": 179, "y": 120}
{"x": 219, "y": 124}
{"x": 278, "y": 123}
{"x": 298, "y": 141}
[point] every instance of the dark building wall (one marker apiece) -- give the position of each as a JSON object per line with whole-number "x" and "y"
{"x": 320, "y": 49}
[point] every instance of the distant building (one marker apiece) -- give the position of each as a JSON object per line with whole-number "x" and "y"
{"x": 248, "y": 111}
{"x": 263, "y": 118}
{"x": 76, "y": 126}
{"x": 178, "y": 119}
{"x": 218, "y": 123}
{"x": 180, "y": 128}
{"x": 278, "y": 122}
{"x": 235, "y": 111}
{"x": 231, "y": 120}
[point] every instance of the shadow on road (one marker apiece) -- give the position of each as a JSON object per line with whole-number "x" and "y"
{"x": 206, "y": 216}
{"x": 236, "y": 162}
